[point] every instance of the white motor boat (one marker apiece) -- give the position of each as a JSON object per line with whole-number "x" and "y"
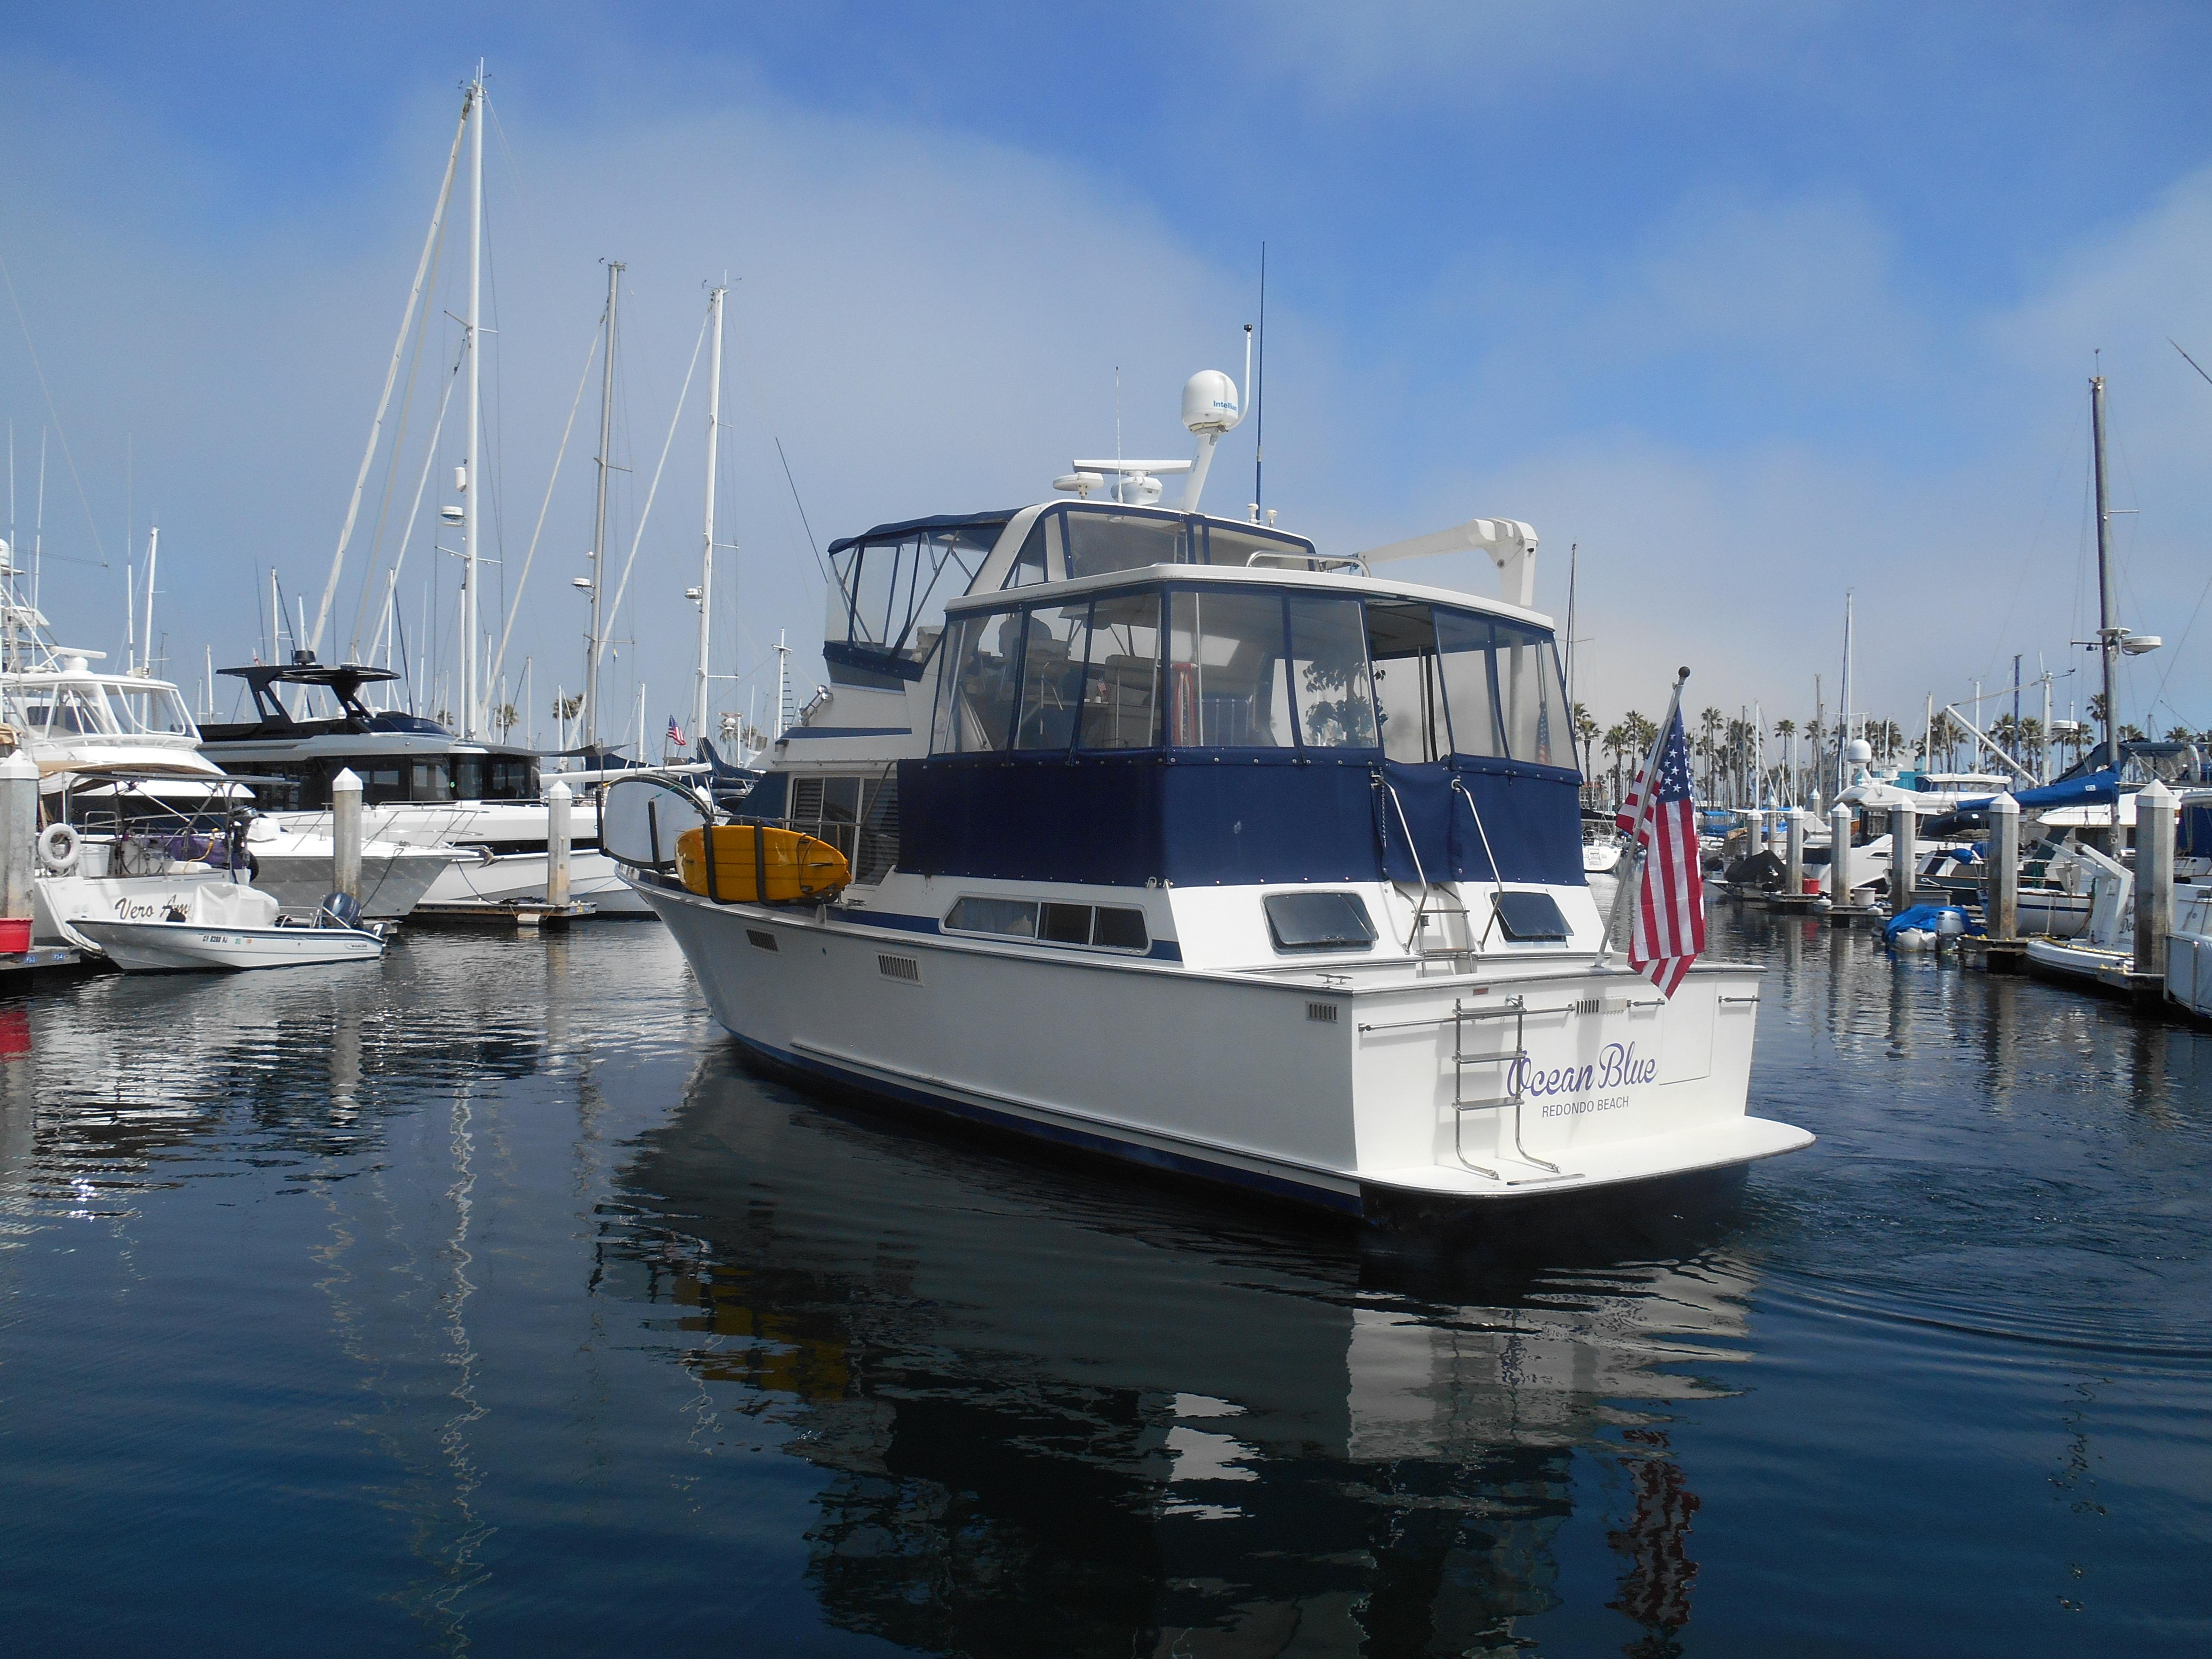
{"x": 478, "y": 804}
{"x": 2107, "y": 942}
{"x": 226, "y": 926}
{"x": 1183, "y": 842}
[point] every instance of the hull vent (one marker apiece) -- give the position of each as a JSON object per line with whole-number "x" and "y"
{"x": 1323, "y": 1011}
{"x": 905, "y": 969}
{"x": 764, "y": 940}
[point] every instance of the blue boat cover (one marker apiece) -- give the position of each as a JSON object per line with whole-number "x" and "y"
{"x": 1925, "y": 916}
{"x": 2090, "y": 789}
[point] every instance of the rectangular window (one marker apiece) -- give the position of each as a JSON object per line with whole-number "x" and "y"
{"x": 1318, "y": 921}
{"x": 1122, "y": 684}
{"x": 1119, "y": 928}
{"x": 432, "y": 781}
{"x": 1099, "y": 543}
{"x": 1527, "y": 917}
{"x": 977, "y": 705}
{"x": 1052, "y": 675}
{"x": 1409, "y": 682}
{"x": 1228, "y": 685}
{"x": 1065, "y": 924}
{"x": 1471, "y": 682}
{"x": 1012, "y": 918}
{"x": 1329, "y": 658}
{"x": 1044, "y": 549}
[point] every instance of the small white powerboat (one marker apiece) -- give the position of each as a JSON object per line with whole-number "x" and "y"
{"x": 225, "y": 926}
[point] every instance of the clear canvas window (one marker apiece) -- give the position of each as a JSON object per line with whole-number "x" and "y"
{"x": 975, "y": 704}
{"x": 1408, "y": 681}
{"x": 1328, "y": 661}
{"x": 1053, "y": 650}
{"x": 1467, "y": 644}
{"x": 1228, "y": 684}
{"x": 1121, "y": 681}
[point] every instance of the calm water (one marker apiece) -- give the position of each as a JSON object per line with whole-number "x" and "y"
{"x": 483, "y": 1304}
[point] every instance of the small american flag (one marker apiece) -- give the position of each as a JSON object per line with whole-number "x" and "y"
{"x": 675, "y": 733}
{"x": 1670, "y": 909}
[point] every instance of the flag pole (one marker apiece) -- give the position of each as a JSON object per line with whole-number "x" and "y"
{"x": 1625, "y": 896}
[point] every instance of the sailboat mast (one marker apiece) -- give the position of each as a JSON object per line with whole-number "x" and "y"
{"x": 471, "y": 501}
{"x": 706, "y": 538}
{"x": 153, "y": 555}
{"x": 2108, "y": 635}
{"x": 615, "y": 270}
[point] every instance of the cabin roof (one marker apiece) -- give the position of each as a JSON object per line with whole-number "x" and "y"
{"x": 1323, "y": 581}
{"x": 902, "y": 527}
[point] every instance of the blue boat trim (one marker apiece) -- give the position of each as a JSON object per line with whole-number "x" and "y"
{"x": 1128, "y": 1152}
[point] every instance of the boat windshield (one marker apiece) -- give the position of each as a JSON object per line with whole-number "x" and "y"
{"x": 153, "y": 709}
{"x": 1096, "y": 541}
{"x": 61, "y": 709}
{"x": 1252, "y": 668}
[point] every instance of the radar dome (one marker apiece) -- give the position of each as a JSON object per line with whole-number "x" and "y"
{"x": 1209, "y": 402}
{"x": 1858, "y": 751}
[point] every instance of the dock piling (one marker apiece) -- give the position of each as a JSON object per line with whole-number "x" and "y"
{"x": 2003, "y": 907}
{"x": 19, "y": 822}
{"x": 2156, "y": 806}
{"x": 345, "y": 834}
{"x": 1904, "y": 858}
{"x": 558, "y": 799}
{"x": 1793, "y": 863}
{"x": 1839, "y": 856}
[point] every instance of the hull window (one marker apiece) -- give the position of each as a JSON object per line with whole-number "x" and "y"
{"x": 1100, "y": 926}
{"x": 1319, "y": 921}
{"x": 1528, "y": 917}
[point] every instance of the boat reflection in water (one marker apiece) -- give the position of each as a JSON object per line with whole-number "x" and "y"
{"x": 1064, "y": 1412}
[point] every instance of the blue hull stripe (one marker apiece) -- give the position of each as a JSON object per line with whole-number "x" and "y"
{"x": 1130, "y": 1151}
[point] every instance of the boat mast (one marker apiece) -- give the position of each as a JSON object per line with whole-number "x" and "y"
{"x": 472, "y": 503}
{"x": 707, "y": 537}
{"x": 615, "y": 269}
{"x": 2108, "y": 637}
{"x": 152, "y": 554}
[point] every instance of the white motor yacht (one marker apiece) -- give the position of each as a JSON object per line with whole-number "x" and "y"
{"x": 1182, "y": 840}
{"x": 478, "y": 803}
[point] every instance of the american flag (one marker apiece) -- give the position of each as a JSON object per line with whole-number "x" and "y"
{"x": 675, "y": 733}
{"x": 1670, "y": 909}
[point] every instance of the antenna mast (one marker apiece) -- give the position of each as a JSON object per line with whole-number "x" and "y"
{"x": 2108, "y": 637}
{"x": 471, "y": 501}
{"x": 615, "y": 269}
{"x": 1259, "y": 397}
{"x": 707, "y": 537}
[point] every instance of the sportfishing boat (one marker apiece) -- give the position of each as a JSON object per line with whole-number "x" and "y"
{"x": 478, "y": 804}
{"x": 1181, "y": 839}
{"x": 133, "y": 816}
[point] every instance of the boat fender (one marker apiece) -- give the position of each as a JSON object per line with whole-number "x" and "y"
{"x": 59, "y": 846}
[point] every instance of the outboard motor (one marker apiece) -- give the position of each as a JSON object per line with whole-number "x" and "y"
{"x": 338, "y": 910}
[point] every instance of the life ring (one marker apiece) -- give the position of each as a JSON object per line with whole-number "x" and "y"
{"x": 59, "y": 848}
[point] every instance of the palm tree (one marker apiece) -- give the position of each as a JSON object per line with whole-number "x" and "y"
{"x": 1616, "y": 740}
{"x": 1585, "y": 729}
{"x": 1709, "y": 729}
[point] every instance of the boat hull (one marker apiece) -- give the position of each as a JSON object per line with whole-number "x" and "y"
{"x": 167, "y": 947}
{"x": 390, "y": 885}
{"x": 504, "y": 877}
{"x": 1243, "y": 1078}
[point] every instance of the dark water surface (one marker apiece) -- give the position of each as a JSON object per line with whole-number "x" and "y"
{"x": 483, "y": 1303}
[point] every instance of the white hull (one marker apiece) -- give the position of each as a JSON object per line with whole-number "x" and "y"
{"x": 390, "y": 885}
{"x": 593, "y": 878}
{"x": 2077, "y": 961}
{"x": 159, "y": 947}
{"x": 60, "y": 904}
{"x": 2058, "y": 915}
{"x": 1330, "y": 1092}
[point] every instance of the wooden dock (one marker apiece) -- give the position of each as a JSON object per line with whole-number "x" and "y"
{"x": 523, "y": 915}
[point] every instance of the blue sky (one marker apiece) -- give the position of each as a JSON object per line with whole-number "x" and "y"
{"x": 1754, "y": 303}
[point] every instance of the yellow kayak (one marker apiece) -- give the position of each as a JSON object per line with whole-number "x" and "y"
{"x": 750, "y": 857}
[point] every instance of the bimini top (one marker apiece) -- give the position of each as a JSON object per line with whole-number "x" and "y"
{"x": 983, "y": 527}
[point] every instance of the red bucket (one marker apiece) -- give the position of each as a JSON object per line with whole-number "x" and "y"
{"x": 14, "y": 935}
